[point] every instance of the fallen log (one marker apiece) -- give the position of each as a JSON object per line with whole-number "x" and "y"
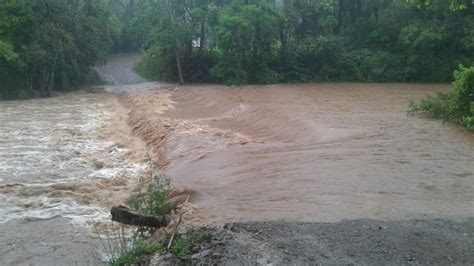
{"x": 124, "y": 215}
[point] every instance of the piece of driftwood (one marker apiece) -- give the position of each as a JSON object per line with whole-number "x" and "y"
{"x": 124, "y": 215}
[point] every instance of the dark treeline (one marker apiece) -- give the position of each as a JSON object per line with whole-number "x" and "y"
{"x": 252, "y": 41}
{"x": 51, "y": 44}
{"x": 124, "y": 12}
{"x": 48, "y": 45}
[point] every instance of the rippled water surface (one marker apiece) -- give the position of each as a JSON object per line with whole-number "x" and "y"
{"x": 315, "y": 152}
{"x": 51, "y": 153}
{"x": 62, "y": 166}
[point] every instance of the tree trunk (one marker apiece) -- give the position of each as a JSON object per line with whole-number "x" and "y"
{"x": 203, "y": 30}
{"x": 340, "y": 17}
{"x": 178, "y": 63}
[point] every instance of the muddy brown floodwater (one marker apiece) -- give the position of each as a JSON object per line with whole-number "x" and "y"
{"x": 64, "y": 161}
{"x": 322, "y": 152}
{"x": 319, "y": 153}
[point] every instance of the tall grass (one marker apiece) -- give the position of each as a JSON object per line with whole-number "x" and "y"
{"x": 127, "y": 245}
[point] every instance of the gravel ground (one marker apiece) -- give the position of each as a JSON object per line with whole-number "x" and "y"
{"x": 355, "y": 242}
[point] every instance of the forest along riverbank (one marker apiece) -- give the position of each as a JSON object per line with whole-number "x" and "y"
{"x": 316, "y": 153}
{"x": 64, "y": 161}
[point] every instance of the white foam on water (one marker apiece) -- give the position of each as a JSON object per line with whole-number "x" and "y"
{"x": 80, "y": 215}
{"x": 46, "y": 142}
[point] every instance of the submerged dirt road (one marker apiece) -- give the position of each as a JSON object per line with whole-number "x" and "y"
{"x": 314, "y": 153}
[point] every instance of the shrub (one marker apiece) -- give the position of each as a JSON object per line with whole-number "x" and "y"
{"x": 456, "y": 106}
{"x": 317, "y": 58}
{"x": 151, "y": 195}
{"x": 156, "y": 64}
{"x": 139, "y": 255}
{"x": 226, "y": 72}
{"x": 185, "y": 244}
{"x": 127, "y": 245}
{"x": 369, "y": 65}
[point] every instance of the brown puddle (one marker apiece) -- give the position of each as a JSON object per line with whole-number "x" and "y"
{"x": 321, "y": 152}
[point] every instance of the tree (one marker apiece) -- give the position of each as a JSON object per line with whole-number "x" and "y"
{"x": 246, "y": 36}
{"x": 456, "y": 5}
{"x": 50, "y": 44}
{"x": 267, "y": 41}
{"x": 172, "y": 28}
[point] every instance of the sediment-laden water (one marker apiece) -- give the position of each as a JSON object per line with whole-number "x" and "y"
{"x": 64, "y": 161}
{"x": 54, "y": 161}
{"x": 322, "y": 152}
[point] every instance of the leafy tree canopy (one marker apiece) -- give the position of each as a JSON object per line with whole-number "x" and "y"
{"x": 51, "y": 44}
{"x": 267, "y": 41}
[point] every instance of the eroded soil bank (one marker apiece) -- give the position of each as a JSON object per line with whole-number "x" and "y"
{"x": 313, "y": 153}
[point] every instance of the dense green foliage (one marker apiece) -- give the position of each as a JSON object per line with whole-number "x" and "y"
{"x": 182, "y": 248}
{"x": 185, "y": 245}
{"x": 139, "y": 255}
{"x": 123, "y": 13}
{"x": 50, "y": 44}
{"x": 151, "y": 195}
{"x": 455, "y": 4}
{"x": 456, "y": 106}
{"x": 305, "y": 40}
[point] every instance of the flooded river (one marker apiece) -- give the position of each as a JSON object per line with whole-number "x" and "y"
{"x": 322, "y": 152}
{"x": 64, "y": 161}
